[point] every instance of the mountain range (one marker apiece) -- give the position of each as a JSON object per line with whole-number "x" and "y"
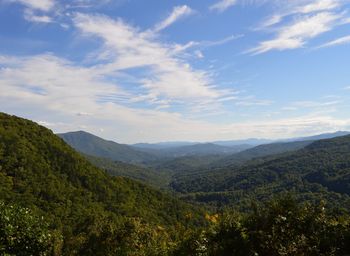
{"x": 146, "y": 153}
{"x": 71, "y": 203}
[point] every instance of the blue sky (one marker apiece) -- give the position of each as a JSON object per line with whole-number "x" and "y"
{"x": 200, "y": 70}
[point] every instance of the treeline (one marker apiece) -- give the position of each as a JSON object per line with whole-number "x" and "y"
{"x": 279, "y": 227}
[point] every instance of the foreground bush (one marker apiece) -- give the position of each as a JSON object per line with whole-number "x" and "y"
{"x": 280, "y": 227}
{"x": 23, "y": 233}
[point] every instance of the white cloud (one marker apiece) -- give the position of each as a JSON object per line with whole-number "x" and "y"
{"x": 339, "y": 41}
{"x": 315, "y": 104}
{"x": 75, "y": 101}
{"x": 297, "y": 34}
{"x": 318, "y": 5}
{"x": 177, "y": 13}
{"x": 29, "y": 15}
{"x": 222, "y": 5}
{"x": 42, "y": 5}
{"x": 220, "y": 41}
{"x": 168, "y": 76}
{"x": 299, "y": 7}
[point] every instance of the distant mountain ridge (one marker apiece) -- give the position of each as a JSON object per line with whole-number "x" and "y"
{"x": 149, "y": 154}
{"x": 200, "y": 149}
{"x": 90, "y": 144}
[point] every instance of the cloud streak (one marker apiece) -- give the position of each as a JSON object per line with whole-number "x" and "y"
{"x": 41, "y": 5}
{"x": 223, "y": 5}
{"x": 177, "y": 13}
{"x": 336, "y": 42}
{"x": 297, "y": 34}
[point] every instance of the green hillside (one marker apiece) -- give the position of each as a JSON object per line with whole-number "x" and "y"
{"x": 159, "y": 179}
{"x": 319, "y": 171}
{"x": 259, "y": 152}
{"x": 38, "y": 170}
{"x": 95, "y": 146}
{"x": 54, "y": 202}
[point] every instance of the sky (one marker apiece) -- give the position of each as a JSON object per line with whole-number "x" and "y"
{"x": 200, "y": 70}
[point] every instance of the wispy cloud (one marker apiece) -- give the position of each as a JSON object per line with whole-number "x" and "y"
{"x": 220, "y": 41}
{"x": 177, "y": 13}
{"x": 297, "y": 22}
{"x": 329, "y": 103}
{"x": 318, "y": 5}
{"x": 338, "y": 41}
{"x": 200, "y": 46}
{"x": 42, "y": 5}
{"x": 73, "y": 101}
{"x": 128, "y": 48}
{"x": 29, "y": 15}
{"x": 300, "y": 7}
{"x": 222, "y": 5}
{"x": 297, "y": 34}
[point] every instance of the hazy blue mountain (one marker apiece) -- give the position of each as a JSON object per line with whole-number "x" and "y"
{"x": 163, "y": 145}
{"x": 321, "y": 136}
{"x": 203, "y": 149}
{"x": 251, "y": 142}
{"x": 95, "y": 146}
{"x": 200, "y": 149}
{"x": 274, "y": 148}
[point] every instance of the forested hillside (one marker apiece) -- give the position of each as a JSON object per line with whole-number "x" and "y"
{"x": 159, "y": 179}
{"x": 95, "y": 146}
{"x": 80, "y": 202}
{"x": 319, "y": 171}
{"x": 54, "y": 202}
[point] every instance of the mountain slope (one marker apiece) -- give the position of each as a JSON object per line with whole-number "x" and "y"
{"x": 320, "y": 170}
{"x": 95, "y": 146}
{"x": 40, "y": 171}
{"x": 199, "y": 149}
{"x": 259, "y": 152}
{"x": 148, "y": 176}
{"x": 322, "y": 136}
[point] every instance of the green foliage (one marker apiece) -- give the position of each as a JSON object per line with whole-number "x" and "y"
{"x": 89, "y": 212}
{"x": 280, "y": 227}
{"x": 92, "y": 145}
{"x": 319, "y": 171}
{"x": 148, "y": 176}
{"x": 23, "y": 233}
{"x": 41, "y": 172}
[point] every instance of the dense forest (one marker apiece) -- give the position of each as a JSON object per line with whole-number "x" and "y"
{"x": 318, "y": 171}
{"x": 55, "y": 201}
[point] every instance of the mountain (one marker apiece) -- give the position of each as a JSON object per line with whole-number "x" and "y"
{"x": 185, "y": 149}
{"x": 158, "y": 179}
{"x": 197, "y": 150}
{"x": 91, "y": 212}
{"x": 321, "y": 170}
{"x": 203, "y": 149}
{"x": 321, "y": 136}
{"x": 163, "y": 145}
{"x": 95, "y": 146}
{"x": 259, "y": 152}
{"x": 252, "y": 142}
{"x": 271, "y": 149}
